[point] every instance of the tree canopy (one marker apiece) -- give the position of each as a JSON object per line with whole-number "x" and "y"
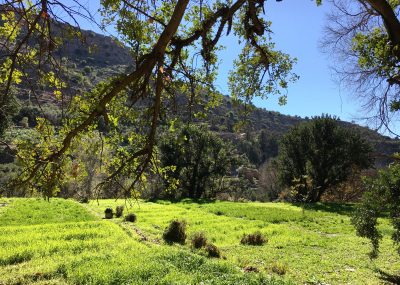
{"x": 320, "y": 154}
{"x": 198, "y": 159}
{"x": 363, "y": 37}
{"x": 382, "y": 197}
{"x": 174, "y": 48}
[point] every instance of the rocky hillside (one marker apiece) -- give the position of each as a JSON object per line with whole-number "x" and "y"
{"x": 95, "y": 57}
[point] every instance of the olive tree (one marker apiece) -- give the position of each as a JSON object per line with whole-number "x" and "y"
{"x": 319, "y": 154}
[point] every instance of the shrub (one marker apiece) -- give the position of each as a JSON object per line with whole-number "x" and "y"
{"x": 109, "y": 213}
{"x": 212, "y": 250}
{"x": 87, "y": 69}
{"x": 198, "y": 240}
{"x": 119, "y": 211}
{"x": 131, "y": 217}
{"x": 381, "y": 198}
{"x": 256, "y": 238}
{"x": 251, "y": 269}
{"x": 176, "y": 232}
{"x": 83, "y": 200}
{"x": 279, "y": 268}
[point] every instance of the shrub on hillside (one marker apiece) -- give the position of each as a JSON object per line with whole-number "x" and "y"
{"x": 108, "y": 213}
{"x": 212, "y": 250}
{"x": 198, "y": 240}
{"x": 175, "y": 232}
{"x": 119, "y": 211}
{"x": 131, "y": 217}
{"x": 256, "y": 238}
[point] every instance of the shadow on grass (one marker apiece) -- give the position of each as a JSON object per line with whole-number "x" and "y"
{"x": 183, "y": 201}
{"x": 387, "y": 277}
{"x": 338, "y": 208}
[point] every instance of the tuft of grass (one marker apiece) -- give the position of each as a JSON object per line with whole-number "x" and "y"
{"x": 108, "y": 213}
{"x": 131, "y": 217}
{"x": 198, "y": 240}
{"x": 119, "y": 211}
{"x": 175, "y": 232}
{"x": 256, "y": 238}
{"x": 279, "y": 268}
{"x": 16, "y": 258}
{"x": 212, "y": 250}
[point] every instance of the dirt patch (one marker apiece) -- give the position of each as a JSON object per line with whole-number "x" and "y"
{"x": 143, "y": 237}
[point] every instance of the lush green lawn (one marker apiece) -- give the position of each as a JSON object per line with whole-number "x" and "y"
{"x": 63, "y": 242}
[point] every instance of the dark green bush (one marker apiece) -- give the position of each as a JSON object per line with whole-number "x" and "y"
{"x": 109, "y": 213}
{"x": 256, "y": 238}
{"x": 119, "y": 211}
{"x": 198, "y": 240}
{"x": 131, "y": 217}
{"x": 212, "y": 250}
{"x": 175, "y": 232}
{"x": 83, "y": 200}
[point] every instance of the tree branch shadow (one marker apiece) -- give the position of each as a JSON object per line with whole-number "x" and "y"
{"x": 388, "y": 277}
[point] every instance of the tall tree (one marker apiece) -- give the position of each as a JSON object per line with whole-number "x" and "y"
{"x": 320, "y": 154}
{"x": 173, "y": 46}
{"x": 198, "y": 158}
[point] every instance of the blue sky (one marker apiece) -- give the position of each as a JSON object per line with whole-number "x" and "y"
{"x": 298, "y": 28}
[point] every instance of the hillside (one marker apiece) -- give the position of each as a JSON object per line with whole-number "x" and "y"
{"x": 95, "y": 57}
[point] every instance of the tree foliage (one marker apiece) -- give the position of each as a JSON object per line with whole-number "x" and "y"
{"x": 319, "y": 154}
{"x": 174, "y": 48}
{"x": 382, "y": 197}
{"x": 364, "y": 38}
{"x": 198, "y": 159}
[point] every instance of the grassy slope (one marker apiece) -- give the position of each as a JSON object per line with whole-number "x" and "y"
{"x": 61, "y": 243}
{"x": 316, "y": 248}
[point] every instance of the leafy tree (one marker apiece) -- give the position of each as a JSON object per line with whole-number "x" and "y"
{"x": 363, "y": 36}
{"x": 165, "y": 40}
{"x": 200, "y": 158}
{"x": 268, "y": 145}
{"x": 382, "y": 197}
{"x": 165, "y": 62}
{"x": 319, "y": 154}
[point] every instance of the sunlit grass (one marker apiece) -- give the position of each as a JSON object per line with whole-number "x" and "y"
{"x": 319, "y": 245}
{"x": 63, "y": 242}
{"x": 74, "y": 247}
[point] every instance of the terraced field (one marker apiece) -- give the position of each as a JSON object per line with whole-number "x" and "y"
{"x": 64, "y": 242}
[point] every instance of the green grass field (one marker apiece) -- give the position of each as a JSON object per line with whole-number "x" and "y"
{"x": 64, "y": 242}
